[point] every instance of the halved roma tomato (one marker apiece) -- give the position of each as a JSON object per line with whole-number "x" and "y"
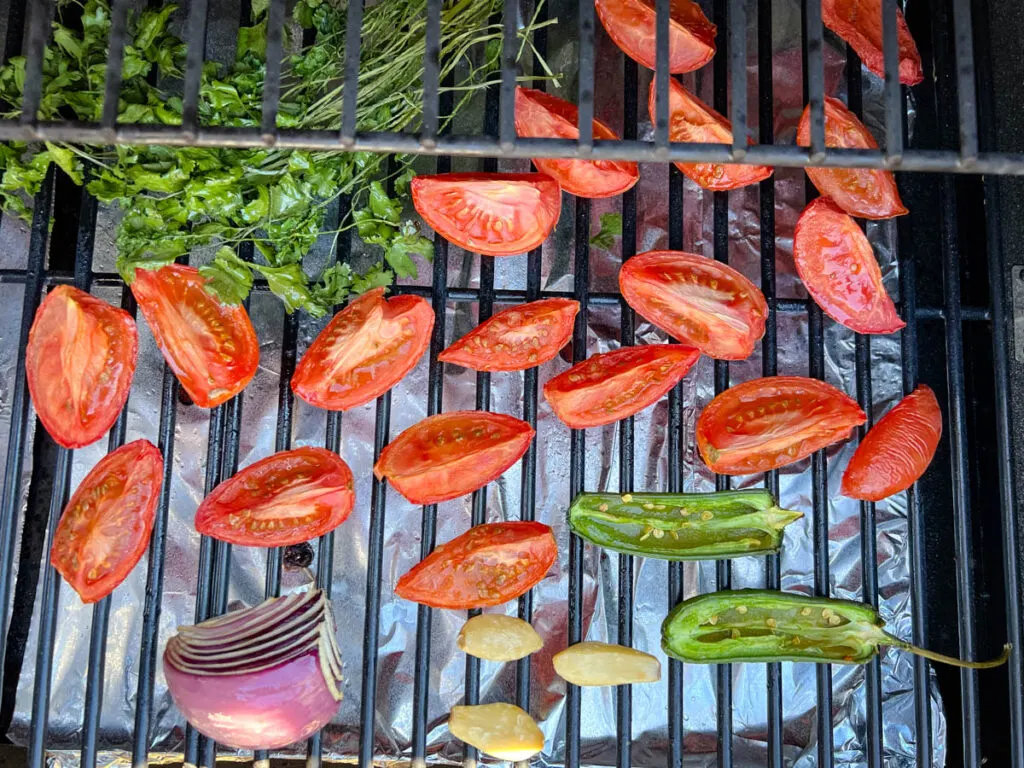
{"x": 79, "y": 362}
{"x": 488, "y": 565}
{"x": 496, "y": 214}
{"x": 452, "y": 454}
{"x": 364, "y": 351}
{"x": 613, "y": 385}
{"x": 516, "y": 338}
{"x": 106, "y": 525}
{"x": 290, "y": 497}
{"x": 210, "y": 346}
{"x": 540, "y": 115}
{"x": 702, "y": 302}
{"x": 631, "y": 25}
{"x": 768, "y": 423}
{"x": 862, "y": 192}
{"x": 691, "y": 120}
{"x": 897, "y": 450}
{"x": 836, "y": 263}
{"x": 859, "y": 22}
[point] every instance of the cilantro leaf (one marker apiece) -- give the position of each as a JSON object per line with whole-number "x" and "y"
{"x": 230, "y": 278}
{"x": 611, "y": 227}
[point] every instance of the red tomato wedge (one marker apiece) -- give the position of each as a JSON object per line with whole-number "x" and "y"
{"x": 837, "y": 264}
{"x": 768, "y": 423}
{"x": 540, "y": 116}
{"x": 699, "y": 301}
{"x": 631, "y": 25}
{"x": 210, "y": 346}
{"x": 79, "y": 362}
{"x": 608, "y": 387}
{"x": 862, "y": 192}
{"x": 897, "y": 450}
{"x": 106, "y": 525}
{"x": 859, "y": 22}
{"x": 496, "y": 214}
{"x": 516, "y": 338}
{"x": 691, "y": 120}
{"x": 365, "y": 350}
{"x": 488, "y": 565}
{"x": 290, "y": 497}
{"x": 452, "y": 454}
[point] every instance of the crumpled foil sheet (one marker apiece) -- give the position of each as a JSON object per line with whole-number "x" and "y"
{"x": 401, "y": 551}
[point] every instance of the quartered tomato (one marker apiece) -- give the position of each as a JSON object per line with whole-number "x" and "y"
{"x": 859, "y": 22}
{"x": 836, "y": 263}
{"x": 106, "y": 525}
{"x": 452, "y": 454}
{"x": 691, "y": 120}
{"x": 897, "y": 450}
{"x": 611, "y": 386}
{"x": 290, "y": 497}
{"x": 516, "y": 338}
{"x": 79, "y": 362}
{"x": 631, "y": 25}
{"x": 863, "y": 192}
{"x": 210, "y": 346}
{"x": 768, "y": 423}
{"x": 496, "y": 214}
{"x": 364, "y": 351}
{"x": 699, "y": 301}
{"x": 488, "y": 565}
{"x": 540, "y": 116}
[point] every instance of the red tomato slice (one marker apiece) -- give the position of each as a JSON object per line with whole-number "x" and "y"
{"x": 452, "y": 454}
{"x": 79, "y": 362}
{"x": 862, "y": 192}
{"x": 631, "y": 25}
{"x": 691, "y": 120}
{"x": 539, "y": 116}
{"x": 290, "y": 497}
{"x": 496, "y": 214}
{"x": 106, "y": 525}
{"x": 611, "y": 386}
{"x": 859, "y": 22}
{"x": 488, "y": 565}
{"x": 836, "y": 263}
{"x": 768, "y": 423}
{"x": 210, "y": 346}
{"x": 699, "y": 301}
{"x": 364, "y": 351}
{"x": 516, "y": 338}
{"x": 897, "y": 450}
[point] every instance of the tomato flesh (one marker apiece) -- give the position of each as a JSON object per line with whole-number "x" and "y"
{"x": 488, "y": 565}
{"x": 79, "y": 363}
{"x": 106, "y": 525}
{"x": 631, "y": 25}
{"x": 768, "y": 423}
{"x": 859, "y": 23}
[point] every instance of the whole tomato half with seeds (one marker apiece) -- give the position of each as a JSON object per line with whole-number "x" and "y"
{"x": 859, "y": 23}
{"x": 631, "y": 24}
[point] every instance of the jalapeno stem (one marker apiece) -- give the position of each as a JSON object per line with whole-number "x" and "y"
{"x": 943, "y": 658}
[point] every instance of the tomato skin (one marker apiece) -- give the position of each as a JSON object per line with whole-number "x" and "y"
{"x": 859, "y": 23}
{"x": 631, "y": 26}
{"x": 451, "y": 454}
{"x": 540, "y": 115}
{"x": 365, "y": 350}
{"x": 610, "y": 386}
{"x": 862, "y": 192}
{"x": 701, "y": 302}
{"x": 837, "y": 265}
{"x": 516, "y": 338}
{"x": 488, "y": 565}
{"x": 467, "y": 209}
{"x": 79, "y": 363}
{"x": 112, "y": 511}
{"x": 210, "y": 346}
{"x": 259, "y": 506}
{"x": 768, "y": 423}
{"x": 897, "y": 450}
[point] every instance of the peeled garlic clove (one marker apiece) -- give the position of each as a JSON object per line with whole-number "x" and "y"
{"x": 503, "y": 731}
{"x": 606, "y": 664}
{"x": 497, "y": 637}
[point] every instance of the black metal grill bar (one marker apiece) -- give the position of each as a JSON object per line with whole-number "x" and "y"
{"x": 891, "y": 94}
{"x": 115, "y": 60}
{"x": 39, "y": 14}
{"x": 963, "y": 31}
{"x": 349, "y": 97}
{"x": 194, "y": 57}
{"x": 814, "y": 74}
{"x": 431, "y": 73}
{"x": 506, "y": 107}
{"x": 272, "y": 78}
{"x": 736, "y": 40}
{"x": 585, "y": 102}
{"x": 661, "y": 76}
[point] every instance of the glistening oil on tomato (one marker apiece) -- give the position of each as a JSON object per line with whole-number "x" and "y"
{"x": 631, "y": 24}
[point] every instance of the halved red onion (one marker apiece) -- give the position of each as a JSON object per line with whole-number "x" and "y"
{"x": 258, "y": 678}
